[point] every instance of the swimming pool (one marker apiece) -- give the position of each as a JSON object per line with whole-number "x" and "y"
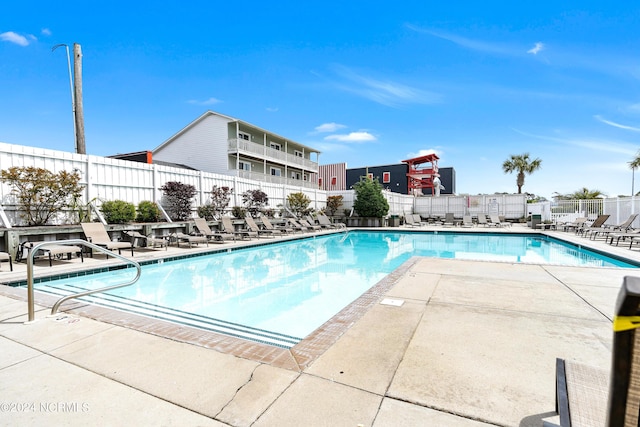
{"x": 279, "y": 293}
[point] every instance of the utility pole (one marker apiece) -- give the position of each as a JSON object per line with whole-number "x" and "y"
{"x": 79, "y": 112}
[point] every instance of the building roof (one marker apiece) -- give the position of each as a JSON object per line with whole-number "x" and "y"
{"x": 231, "y": 119}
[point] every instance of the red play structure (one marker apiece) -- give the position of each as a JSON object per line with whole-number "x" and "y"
{"x": 419, "y": 176}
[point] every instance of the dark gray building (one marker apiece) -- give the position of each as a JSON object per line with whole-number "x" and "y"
{"x": 394, "y": 177}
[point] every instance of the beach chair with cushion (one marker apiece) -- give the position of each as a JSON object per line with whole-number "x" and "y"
{"x": 189, "y": 239}
{"x": 587, "y": 395}
{"x": 214, "y": 236}
{"x": 4, "y": 256}
{"x": 97, "y": 234}
{"x": 149, "y": 241}
{"x": 55, "y": 250}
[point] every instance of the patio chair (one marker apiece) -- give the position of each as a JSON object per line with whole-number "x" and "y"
{"x": 622, "y": 236}
{"x": 149, "y": 241}
{"x": 409, "y": 220}
{"x": 324, "y": 220}
{"x": 417, "y": 220}
{"x": 606, "y": 230}
{"x": 574, "y": 225}
{"x": 97, "y": 234}
{"x": 581, "y": 391}
{"x": 4, "y": 256}
{"x": 305, "y": 223}
{"x": 190, "y": 239}
{"x": 482, "y": 220}
{"x": 449, "y": 219}
{"x": 55, "y": 250}
{"x": 251, "y": 225}
{"x": 467, "y": 221}
{"x": 495, "y": 220}
{"x": 596, "y": 225}
{"x": 266, "y": 222}
{"x": 295, "y": 226}
{"x": 214, "y": 236}
{"x": 244, "y": 233}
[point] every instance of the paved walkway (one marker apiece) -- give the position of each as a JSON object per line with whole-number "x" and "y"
{"x": 464, "y": 343}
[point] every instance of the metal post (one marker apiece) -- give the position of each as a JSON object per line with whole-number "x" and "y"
{"x": 73, "y": 100}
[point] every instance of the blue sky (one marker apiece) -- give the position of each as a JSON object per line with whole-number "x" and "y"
{"x": 367, "y": 83}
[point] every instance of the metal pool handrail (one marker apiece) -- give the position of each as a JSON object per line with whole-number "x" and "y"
{"x": 54, "y": 309}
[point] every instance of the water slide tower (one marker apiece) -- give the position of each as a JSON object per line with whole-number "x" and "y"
{"x": 422, "y": 173}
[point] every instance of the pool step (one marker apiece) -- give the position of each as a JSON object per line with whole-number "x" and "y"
{"x": 176, "y": 316}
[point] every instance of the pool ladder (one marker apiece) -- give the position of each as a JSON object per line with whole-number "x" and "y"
{"x": 73, "y": 242}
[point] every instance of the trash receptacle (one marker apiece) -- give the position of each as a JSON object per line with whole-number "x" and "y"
{"x": 394, "y": 221}
{"x": 535, "y": 220}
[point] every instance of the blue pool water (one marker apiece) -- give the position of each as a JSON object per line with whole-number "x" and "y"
{"x": 281, "y": 292}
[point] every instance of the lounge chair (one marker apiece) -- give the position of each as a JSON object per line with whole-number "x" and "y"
{"x": 149, "y": 241}
{"x": 55, "y": 250}
{"x": 504, "y": 221}
{"x": 266, "y": 222}
{"x": 482, "y": 220}
{"x": 581, "y": 391}
{"x": 251, "y": 225}
{"x": 417, "y": 220}
{"x": 189, "y": 239}
{"x": 243, "y": 233}
{"x": 596, "y": 225}
{"x": 4, "y": 256}
{"x": 214, "y": 236}
{"x": 409, "y": 220}
{"x": 495, "y": 220}
{"x": 305, "y": 223}
{"x": 467, "y": 221}
{"x": 574, "y": 225}
{"x": 606, "y": 230}
{"x": 449, "y": 219}
{"x": 97, "y": 234}
{"x": 324, "y": 221}
{"x": 295, "y": 226}
{"x": 622, "y": 236}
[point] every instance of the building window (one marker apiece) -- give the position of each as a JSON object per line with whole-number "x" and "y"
{"x": 242, "y": 135}
{"x": 297, "y": 153}
{"x": 320, "y": 182}
{"x": 334, "y": 180}
{"x": 244, "y": 166}
{"x": 293, "y": 175}
{"x": 275, "y": 146}
{"x": 276, "y": 171}
{"x": 386, "y": 177}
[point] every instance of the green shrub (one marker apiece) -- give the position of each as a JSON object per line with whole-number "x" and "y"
{"x": 333, "y": 203}
{"x": 148, "y": 212}
{"x": 207, "y": 212}
{"x": 370, "y": 202}
{"x": 238, "y": 212}
{"x": 118, "y": 211}
{"x": 299, "y": 203}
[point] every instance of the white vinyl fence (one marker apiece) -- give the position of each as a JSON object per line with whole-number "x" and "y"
{"x": 107, "y": 179}
{"x": 619, "y": 209}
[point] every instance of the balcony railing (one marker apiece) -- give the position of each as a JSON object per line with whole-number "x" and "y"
{"x": 276, "y": 156}
{"x": 281, "y": 180}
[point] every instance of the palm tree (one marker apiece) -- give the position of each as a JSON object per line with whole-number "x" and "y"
{"x": 522, "y": 164}
{"x": 634, "y": 164}
{"x": 584, "y": 193}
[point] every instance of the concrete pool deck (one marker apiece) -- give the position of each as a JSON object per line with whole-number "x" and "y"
{"x": 473, "y": 344}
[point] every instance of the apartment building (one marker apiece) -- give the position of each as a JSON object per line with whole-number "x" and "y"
{"x": 221, "y": 144}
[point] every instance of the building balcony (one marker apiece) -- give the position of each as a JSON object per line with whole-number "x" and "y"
{"x": 274, "y": 179}
{"x": 251, "y": 149}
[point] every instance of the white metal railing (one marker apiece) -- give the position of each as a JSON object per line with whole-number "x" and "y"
{"x": 280, "y": 156}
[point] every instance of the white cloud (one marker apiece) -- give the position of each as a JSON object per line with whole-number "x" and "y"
{"x": 46, "y": 32}
{"x": 12, "y": 37}
{"x": 423, "y": 152}
{"x": 536, "y": 48}
{"x": 209, "y": 101}
{"x": 616, "y": 125}
{"x": 465, "y": 42}
{"x": 329, "y": 127}
{"x": 352, "y": 137}
{"x": 272, "y": 109}
{"x": 385, "y": 92}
